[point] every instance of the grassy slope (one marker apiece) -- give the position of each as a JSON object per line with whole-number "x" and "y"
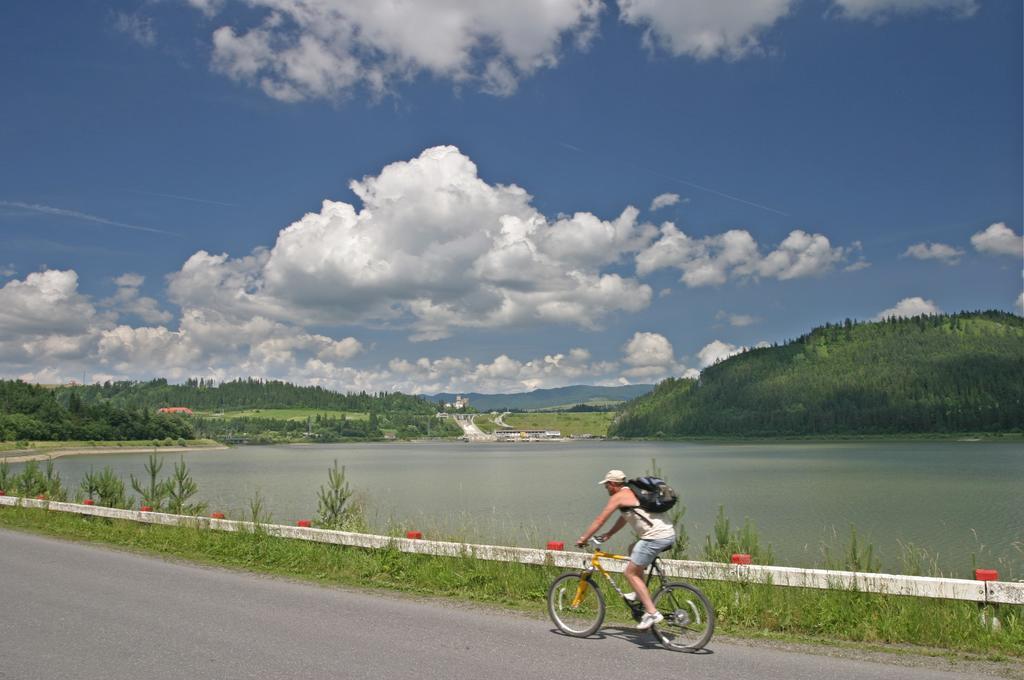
{"x": 287, "y": 414}
{"x": 567, "y": 423}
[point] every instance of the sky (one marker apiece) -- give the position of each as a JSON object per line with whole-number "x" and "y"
{"x": 457, "y": 195}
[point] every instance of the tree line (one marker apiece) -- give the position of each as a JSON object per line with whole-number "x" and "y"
{"x": 237, "y": 395}
{"x": 31, "y": 412}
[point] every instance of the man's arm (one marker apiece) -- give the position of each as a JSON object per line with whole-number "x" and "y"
{"x": 619, "y": 523}
{"x": 614, "y": 503}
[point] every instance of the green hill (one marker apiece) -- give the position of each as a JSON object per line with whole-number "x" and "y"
{"x": 929, "y": 374}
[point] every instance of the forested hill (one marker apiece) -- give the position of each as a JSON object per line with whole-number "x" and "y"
{"x": 236, "y": 395}
{"x": 929, "y": 374}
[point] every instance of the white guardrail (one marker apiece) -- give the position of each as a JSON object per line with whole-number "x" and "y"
{"x": 984, "y": 592}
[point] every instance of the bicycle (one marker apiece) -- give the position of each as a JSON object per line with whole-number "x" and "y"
{"x": 576, "y": 604}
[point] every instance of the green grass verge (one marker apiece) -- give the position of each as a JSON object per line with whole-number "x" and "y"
{"x": 44, "y": 446}
{"x": 595, "y": 423}
{"x": 749, "y": 610}
{"x": 287, "y": 414}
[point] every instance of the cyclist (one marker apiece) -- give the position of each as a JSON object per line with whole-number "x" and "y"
{"x": 654, "y": 535}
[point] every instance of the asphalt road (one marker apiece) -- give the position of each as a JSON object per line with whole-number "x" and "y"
{"x": 79, "y": 611}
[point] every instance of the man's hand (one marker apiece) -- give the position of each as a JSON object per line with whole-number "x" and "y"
{"x": 581, "y": 542}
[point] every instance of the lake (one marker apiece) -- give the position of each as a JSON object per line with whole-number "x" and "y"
{"x": 954, "y": 499}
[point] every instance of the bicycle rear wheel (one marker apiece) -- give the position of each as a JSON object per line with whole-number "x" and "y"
{"x": 576, "y": 604}
{"x": 689, "y": 618}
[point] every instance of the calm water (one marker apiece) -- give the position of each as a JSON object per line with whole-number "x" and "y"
{"x": 953, "y": 498}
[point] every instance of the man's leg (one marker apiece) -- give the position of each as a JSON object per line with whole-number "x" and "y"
{"x": 635, "y": 577}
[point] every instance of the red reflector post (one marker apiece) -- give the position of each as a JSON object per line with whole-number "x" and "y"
{"x": 146, "y": 508}
{"x": 217, "y": 515}
{"x": 41, "y": 497}
{"x": 986, "y": 575}
{"x": 556, "y": 545}
{"x": 88, "y": 501}
{"x": 414, "y": 534}
{"x": 304, "y": 523}
{"x": 740, "y": 558}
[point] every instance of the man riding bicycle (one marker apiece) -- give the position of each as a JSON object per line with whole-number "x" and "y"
{"x": 654, "y": 535}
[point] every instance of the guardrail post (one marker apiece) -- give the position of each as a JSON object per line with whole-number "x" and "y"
{"x": 988, "y": 612}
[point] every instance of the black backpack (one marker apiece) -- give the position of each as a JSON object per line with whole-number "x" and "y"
{"x": 653, "y": 494}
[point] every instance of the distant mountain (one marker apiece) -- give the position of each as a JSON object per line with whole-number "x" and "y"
{"x": 952, "y": 373}
{"x": 548, "y": 399}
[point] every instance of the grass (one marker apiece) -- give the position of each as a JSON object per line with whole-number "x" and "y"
{"x": 595, "y": 423}
{"x": 287, "y": 414}
{"x": 45, "y": 446}
{"x": 746, "y": 610}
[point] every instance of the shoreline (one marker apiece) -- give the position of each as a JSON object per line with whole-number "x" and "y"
{"x": 19, "y": 457}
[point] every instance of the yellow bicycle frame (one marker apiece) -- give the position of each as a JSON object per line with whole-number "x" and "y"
{"x": 595, "y": 565}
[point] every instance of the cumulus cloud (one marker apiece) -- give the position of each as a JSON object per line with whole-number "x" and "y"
{"x": 128, "y": 300}
{"x": 47, "y": 303}
{"x": 433, "y": 248}
{"x": 883, "y": 9}
{"x": 664, "y": 200}
{"x": 7, "y": 270}
{"x": 716, "y": 351}
{"x": 998, "y": 239}
{"x": 712, "y": 260}
{"x": 934, "y": 251}
{"x": 1019, "y": 305}
{"x": 303, "y": 49}
{"x": 650, "y": 357}
{"x": 909, "y": 307}
{"x": 704, "y": 29}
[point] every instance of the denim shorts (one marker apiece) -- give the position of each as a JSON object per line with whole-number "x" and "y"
{"x": 644, "y": 551}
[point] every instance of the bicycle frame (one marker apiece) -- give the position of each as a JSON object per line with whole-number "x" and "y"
{"x": 595, "y": 566}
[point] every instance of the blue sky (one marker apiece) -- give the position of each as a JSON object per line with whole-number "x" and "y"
{"x": 481, "y": 196}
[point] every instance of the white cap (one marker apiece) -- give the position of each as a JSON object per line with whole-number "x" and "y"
{"x": 614, "y": 476}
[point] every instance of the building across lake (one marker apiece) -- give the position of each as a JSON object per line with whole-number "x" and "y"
{"x": 514, "y": 435}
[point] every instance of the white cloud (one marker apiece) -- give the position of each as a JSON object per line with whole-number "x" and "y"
{"x": 704, "y": 29}
{"x": 712, "y": 260}
{"x": 433, "y": 248}
{"x": 716, "y": 351}
{"x": 137, "y": 27}
{"x": 664, "y": 200}
{"x": 909, "y": 307}
{"x": 1019, "y": 305}
{"x": 737, "y": 320}
{"x": 882, "y": 9}
{"x": 857, "y": 266}
{"x": 998, "y": 239}
{"x": 47, "y": 303}
{"x": 8, "y": 270}
{"x": 934, "y": 251}
{"x": 128, "y": 300}
{"x": 649, "y": 356}
{"x": 306, "y": 49}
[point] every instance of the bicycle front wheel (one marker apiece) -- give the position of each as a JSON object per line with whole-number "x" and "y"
{"x": 576, "y": 604}
{"x": 689, "y": 619}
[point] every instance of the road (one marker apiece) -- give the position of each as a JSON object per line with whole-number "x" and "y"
{"x": 470, "y": 430}
{"x": 82, "y": 611}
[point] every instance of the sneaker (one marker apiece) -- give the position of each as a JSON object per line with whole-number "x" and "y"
{"x": 649, "y": 620}
{"x": 630, "y": 597}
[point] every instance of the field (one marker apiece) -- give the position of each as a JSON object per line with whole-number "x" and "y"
{"x": 567, "y": 423}
{"x": 287, "y": 414}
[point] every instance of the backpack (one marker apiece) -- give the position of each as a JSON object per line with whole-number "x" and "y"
{"x": 653, "y": 494}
